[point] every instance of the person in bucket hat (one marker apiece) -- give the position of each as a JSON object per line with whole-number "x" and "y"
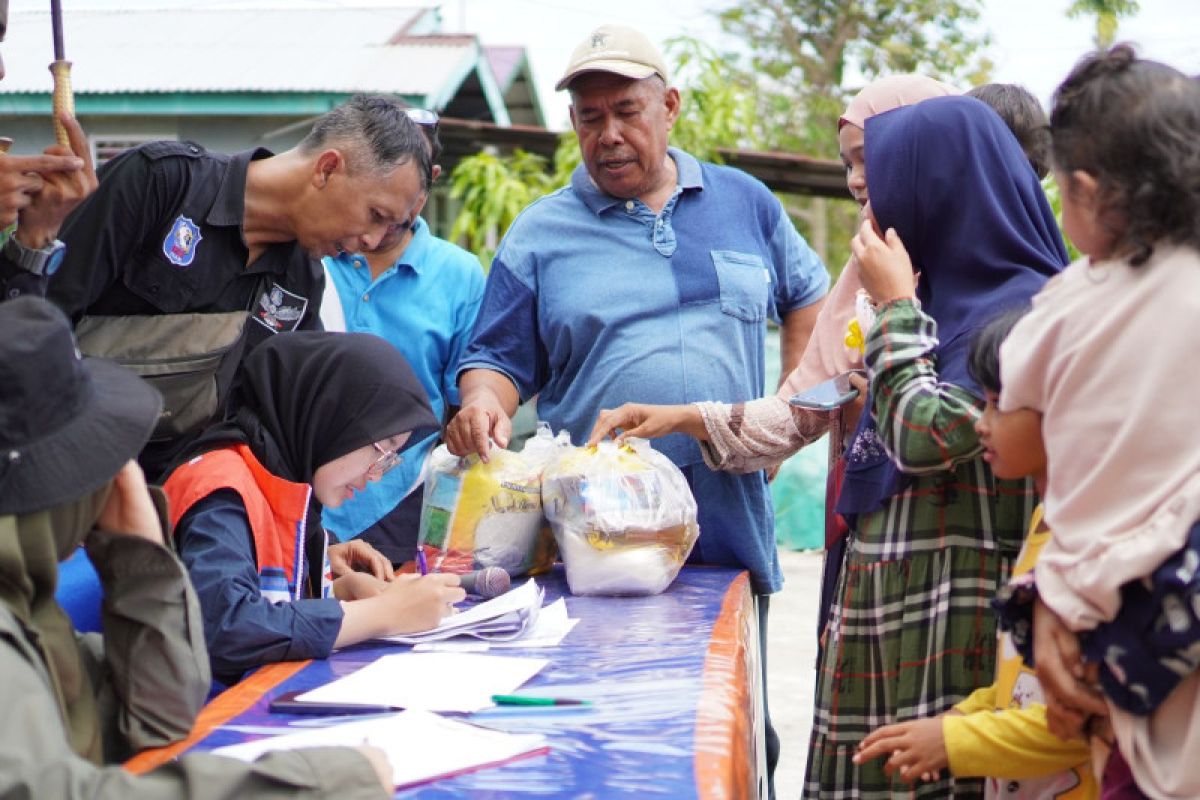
{"x": 67, "y": 424}
{"x": 77, "y": 705}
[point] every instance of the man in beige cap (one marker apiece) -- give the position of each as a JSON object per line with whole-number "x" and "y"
{"x": 649, "y": 278}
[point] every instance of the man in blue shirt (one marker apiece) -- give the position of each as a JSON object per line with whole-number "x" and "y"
{"x": 422, "y": 294}
{"x": 649, "y": 278}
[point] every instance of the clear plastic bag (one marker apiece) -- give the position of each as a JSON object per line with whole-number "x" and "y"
{"x": 478, "y": 514}
{"x": 622, "y": 515}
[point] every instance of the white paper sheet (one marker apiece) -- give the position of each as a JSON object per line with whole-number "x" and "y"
{"x": 420, "y": 746}
{"x": 431, "y": 681}
{"x": 549, "y": 630}
{"x": 508, "y": 616}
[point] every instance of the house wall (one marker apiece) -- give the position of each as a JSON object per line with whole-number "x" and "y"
{"x": 220, "y": 134}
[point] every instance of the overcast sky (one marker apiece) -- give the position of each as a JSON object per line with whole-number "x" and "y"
{"x": 1033, "y": 42}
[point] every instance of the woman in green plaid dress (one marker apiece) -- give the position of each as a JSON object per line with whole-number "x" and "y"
{"x": 933, "y": 532}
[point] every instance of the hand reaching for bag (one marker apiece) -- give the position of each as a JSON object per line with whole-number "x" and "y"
{"x": 648, "y": 422}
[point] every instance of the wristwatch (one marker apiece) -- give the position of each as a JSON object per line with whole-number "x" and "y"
{"x": 39, "y": 262}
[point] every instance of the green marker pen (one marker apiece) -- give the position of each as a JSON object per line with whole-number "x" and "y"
{"x": 522, "y": 700}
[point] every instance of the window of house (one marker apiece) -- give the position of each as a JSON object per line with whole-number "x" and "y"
{"x": 108, "y": 147}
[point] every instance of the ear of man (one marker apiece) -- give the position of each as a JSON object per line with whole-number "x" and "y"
{"x": 327, "y": 163}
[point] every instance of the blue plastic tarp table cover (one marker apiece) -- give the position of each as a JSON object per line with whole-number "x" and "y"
{"x": 673, "y": 680}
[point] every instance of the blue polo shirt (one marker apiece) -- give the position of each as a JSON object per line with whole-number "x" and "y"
{"x": 425, "y": 305}
{"x": 593, "y": 301}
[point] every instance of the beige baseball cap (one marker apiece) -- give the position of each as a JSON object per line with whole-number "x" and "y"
{"x": 617, "y": 49}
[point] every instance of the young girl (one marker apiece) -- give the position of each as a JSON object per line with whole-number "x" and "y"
{"x": 319, "y": 415}
{"x": 1000, "y": 730}
{"x": 1107, "y": 356}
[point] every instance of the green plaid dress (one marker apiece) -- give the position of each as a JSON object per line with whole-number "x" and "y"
{"x": 911, "y": 632}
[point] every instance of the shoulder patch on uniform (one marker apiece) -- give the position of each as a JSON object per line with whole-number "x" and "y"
{"x": 279, "y": 310}
{"x": 166, "y": 149}
{"x": 180, "y": 245}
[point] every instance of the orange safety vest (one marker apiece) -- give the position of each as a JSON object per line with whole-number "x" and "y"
{"x": 277, "y": 510}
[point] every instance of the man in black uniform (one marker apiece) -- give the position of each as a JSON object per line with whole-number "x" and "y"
{"x": 175, "y": 229}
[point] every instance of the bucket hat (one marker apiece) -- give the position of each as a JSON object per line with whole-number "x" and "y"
{"x": 67, "y": 423}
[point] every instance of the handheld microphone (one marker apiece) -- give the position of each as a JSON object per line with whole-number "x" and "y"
{"x": 487, "y": 582}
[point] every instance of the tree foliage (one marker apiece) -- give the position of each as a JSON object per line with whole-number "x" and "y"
{"x": 719, "y": 108}
{"x": 808, "y": 52}
{"x": 493, "y": 189}
{"x": 1108, "y": 15}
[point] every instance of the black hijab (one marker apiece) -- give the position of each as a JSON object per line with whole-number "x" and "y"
{"x": 304, "y": 399}
{"x": 307, "y": 398}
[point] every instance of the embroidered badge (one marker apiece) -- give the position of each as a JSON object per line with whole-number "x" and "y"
{"x": 279, "y": 310}
{"x": 180, "y": 245}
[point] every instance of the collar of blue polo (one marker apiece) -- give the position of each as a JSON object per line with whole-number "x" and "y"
{"x": 413, "y": 256}
{"x": 687, "y": 167}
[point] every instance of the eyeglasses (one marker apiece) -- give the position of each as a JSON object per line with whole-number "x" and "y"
{"x": 423, "y": 116}
{"x": 386, "y": 461}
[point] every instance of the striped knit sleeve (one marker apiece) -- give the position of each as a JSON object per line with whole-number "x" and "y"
{"x": 926, "y": 426}
{"x": 759, "y": 434}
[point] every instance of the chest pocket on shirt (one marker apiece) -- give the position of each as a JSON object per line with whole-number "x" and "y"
{"x": 160, "y": 283}
{"x": 744, "y": 284}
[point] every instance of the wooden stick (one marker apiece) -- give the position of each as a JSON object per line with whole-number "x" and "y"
{"x": 64, "y": 99}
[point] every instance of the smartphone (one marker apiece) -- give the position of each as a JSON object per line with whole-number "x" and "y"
{"x": 830, "y": 394}
{"x": 287, "y": 703}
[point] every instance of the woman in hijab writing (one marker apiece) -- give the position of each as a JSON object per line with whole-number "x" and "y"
{"x": 318, "y": 416}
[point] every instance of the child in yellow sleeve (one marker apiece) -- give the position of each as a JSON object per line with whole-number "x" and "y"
{"x": 999, "y": 729}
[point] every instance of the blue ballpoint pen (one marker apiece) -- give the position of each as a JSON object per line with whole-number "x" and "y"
{"x": 421, "y": 564}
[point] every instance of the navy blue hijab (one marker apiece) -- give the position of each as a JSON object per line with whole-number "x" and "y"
{"x": 950, "y": 177}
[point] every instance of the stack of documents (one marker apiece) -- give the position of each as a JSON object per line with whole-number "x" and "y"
{"x": 458, "y": 682}
{"x": 551, "y": 627}
{"x": 515, "y": 618}
{"x": 420, "y": 746}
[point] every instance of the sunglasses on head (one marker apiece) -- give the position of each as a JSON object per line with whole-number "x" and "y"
{"x": 422, "y": 116}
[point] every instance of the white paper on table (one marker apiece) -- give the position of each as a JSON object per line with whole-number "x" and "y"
{"x": 459, "y": 644}
{"x": 431, "y": 681}
{"x": 419, "y": 745}
{"x": 551, "y": 627}
{"x": 505, "y": 617}
{"x": 549, "y": 630}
